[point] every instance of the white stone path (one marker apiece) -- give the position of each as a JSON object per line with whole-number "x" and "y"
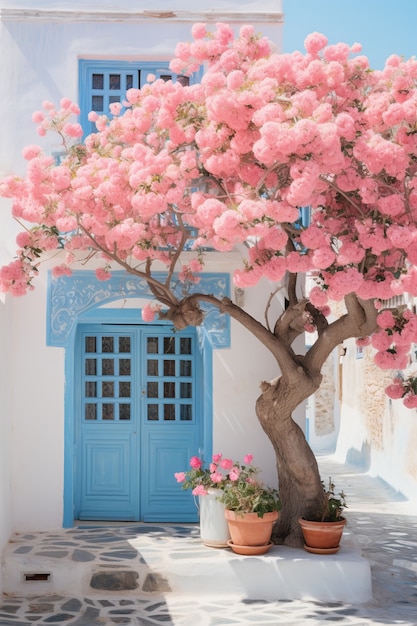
{"x": 384, "y": 526}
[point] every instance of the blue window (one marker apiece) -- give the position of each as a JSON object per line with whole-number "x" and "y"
{"x": 304, "y": 216}
{"x": 103, "y": 82}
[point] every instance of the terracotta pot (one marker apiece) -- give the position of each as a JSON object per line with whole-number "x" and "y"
{"x": 322, "y": 537}
{"x": 249, "y": 529}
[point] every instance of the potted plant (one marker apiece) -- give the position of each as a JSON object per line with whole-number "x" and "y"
{"x": 251, "y": 509}
{"x": 323, "y": 530}
{"x": 206, "y": 483}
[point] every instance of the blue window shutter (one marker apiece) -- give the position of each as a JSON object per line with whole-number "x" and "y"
{"x": 305, "y": 216}
{"x": 103, "y": 82}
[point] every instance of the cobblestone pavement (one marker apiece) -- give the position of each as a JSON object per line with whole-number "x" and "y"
{"x": 382, "y": 523}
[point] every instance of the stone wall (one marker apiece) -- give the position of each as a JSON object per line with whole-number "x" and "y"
{"x": 325, "y": 400}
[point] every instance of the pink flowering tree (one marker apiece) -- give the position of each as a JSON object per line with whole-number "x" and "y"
{"x": 229, "y": 162}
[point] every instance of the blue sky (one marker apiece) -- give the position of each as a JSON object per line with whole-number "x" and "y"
{"x": 383, "y": 27}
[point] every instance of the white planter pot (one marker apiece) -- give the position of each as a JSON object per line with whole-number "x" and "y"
{"x": 214, "y": 530}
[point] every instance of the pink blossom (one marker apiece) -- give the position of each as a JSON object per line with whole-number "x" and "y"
{"x": 317, "y": 296}
{"x": 196, "y": 462}
{"x": 410, "y": 401}
{"x": 400, "y": 236}
{"x": 148, "y": 313}
{"x": 248, "y": 459}
{"x": 313, "y": 237}
{"x": 275, "y": 268}
{"x": 180, "y": 477}
{"x": 298, "y": 263}
{"x": 323, "y": 257}
{"x": 103, "y": 273}
{"x": 23, "y": 239}
{"x": 350, "y": 252}
{"x": 395, "y": 390}
{"x": 38, "y": 117}
{"x": 385, "y": 319}
{"x": 216, "y": 458}
{"x": 391, "y": 360}
{"x": 31, "y": 152}
{"x": 392, "y": 205}
{"x": 381, "y": 341}
{"x": 347, "y": 281}
{"x": 216, "y": 477}
{"x": 73, "y": 130}
{"x": 226, "y": 464}
{"x": 234, "y": 474}
{"x": 61, "y": 270}
{"x": 200, "y": 490}
{"x": 247, "y": 277}
{"x": 199, "y": 31}
{"x": 314, "y": 43}
{"x": 115, "y": 108}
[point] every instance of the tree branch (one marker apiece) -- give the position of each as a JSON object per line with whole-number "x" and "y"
{"x": 291, "y": 287}
{"x": 163, "y": 293}
{"x": 268, "y": 305}
{"x": 280, "y": 349}
{"x": 184, "y": 236}
{"x": 359, "y": 321}
{"x": 291, "y": 323}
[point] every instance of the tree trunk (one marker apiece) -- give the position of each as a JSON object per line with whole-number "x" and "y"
{"x": 300, "y": 486}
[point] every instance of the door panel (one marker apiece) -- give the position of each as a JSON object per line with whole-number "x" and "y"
{"x": 107, "y": 444}
{"x": 162, "y": 497}
{"x": 171, "y": 431}
{"x": 137, "y": 422}
{"x": 107, "y": 489}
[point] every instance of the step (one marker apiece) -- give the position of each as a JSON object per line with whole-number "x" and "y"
{"x": 110, "y": 562}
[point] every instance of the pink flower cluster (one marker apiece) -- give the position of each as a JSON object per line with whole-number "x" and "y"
{"x": 57, "y": 120}
{"x": 218, "y": 474}
{"x": 397, "y": 331}
{"x": 230, "y": 161}
{"x": 405, "y": 388}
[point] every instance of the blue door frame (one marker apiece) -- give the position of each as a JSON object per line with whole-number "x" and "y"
{"x": 76, "y": 299}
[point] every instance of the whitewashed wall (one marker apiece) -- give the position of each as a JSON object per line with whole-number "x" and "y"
{"x": 6, "y": 519}
{"x": 377, "y": 434}
{"x": 39, "y": 51}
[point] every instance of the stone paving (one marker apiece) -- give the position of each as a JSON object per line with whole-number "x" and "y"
{"x": 384, "y": 525}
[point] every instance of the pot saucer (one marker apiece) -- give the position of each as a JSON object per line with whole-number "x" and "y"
{"x": 321, "y": 550}
{"x": 249, "y": 550}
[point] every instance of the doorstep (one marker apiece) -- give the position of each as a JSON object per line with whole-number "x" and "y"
{"x": 281, "y": 574}
{"x": 147, "y": 560}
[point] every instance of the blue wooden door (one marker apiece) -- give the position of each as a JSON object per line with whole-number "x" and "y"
{"x": 139, "y": 398}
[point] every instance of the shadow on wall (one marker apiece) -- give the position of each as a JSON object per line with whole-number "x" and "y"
{"x": 360, "y": 458}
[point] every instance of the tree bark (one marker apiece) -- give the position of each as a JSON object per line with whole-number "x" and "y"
{"x": 300, "y": 486}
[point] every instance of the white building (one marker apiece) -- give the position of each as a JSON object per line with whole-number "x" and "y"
{"x": 55, "y": 464}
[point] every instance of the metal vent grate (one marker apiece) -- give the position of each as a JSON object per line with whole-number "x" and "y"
{"x": 36, "y": 577}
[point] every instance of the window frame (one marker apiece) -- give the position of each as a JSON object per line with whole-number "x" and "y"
{"x": 139, "y": 69}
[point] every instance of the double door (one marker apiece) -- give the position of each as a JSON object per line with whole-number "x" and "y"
{"x": 138, "y": 399}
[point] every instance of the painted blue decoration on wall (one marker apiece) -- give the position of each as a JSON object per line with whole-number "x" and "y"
{"x": 71, "y": 297}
